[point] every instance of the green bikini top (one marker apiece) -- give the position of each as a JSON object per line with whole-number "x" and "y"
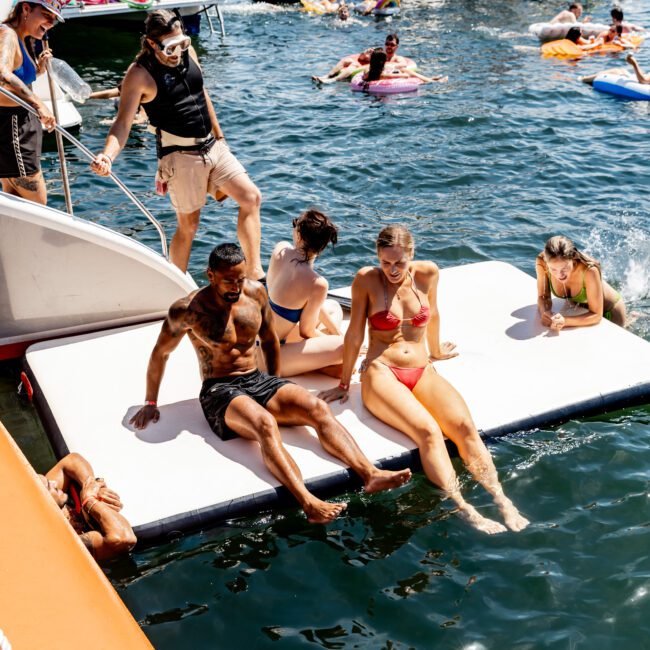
{"x": 580, "y": 297}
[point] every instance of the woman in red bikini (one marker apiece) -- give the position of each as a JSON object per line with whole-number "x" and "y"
{"x": 398, "y": 383}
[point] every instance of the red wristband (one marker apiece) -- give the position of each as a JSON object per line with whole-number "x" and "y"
{"x": 343, "y": 386}
{"x": 151, "y": 402}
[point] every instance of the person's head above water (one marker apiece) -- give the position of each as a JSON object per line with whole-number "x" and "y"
{"x": 395, "y": 250}
{"x": 364, "y": 57}
{"x": 164, "y": 37}
{"x": 391, "y": 44}
{"x": 561, "y": 256}
{"x": 574, "y": 34}
{"x": 576, "y": 9}
{"x": 617, "y": 14}
{"x": 343, "y": 12}
{"x": 227, "y": 271}
{"x": 312, "y": 232}
{"x": 377, "y": 63}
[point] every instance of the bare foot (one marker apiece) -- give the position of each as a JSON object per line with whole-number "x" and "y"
{"x": 320, "y": 512}
{"x": 513, "y": 518}
{"x": 385, "y": 480}
{"x": 485, "y": 525}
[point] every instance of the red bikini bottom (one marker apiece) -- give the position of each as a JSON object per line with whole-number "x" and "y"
{"x": 407, "y": 376}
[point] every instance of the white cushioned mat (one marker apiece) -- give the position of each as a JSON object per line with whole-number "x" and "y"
{"x": 176, "y": 474}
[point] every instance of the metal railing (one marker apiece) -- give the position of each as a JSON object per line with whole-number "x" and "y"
{"x": 91, "y": 156}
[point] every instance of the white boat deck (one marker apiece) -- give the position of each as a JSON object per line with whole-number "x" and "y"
{"x": 176, "y": 474}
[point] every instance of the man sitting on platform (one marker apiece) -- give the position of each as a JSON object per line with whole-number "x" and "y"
{"x": 91, "y": 508}
{"x": 223, "y": 321}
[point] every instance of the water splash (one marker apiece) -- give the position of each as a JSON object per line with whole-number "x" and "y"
{"x": 624, "y": 253}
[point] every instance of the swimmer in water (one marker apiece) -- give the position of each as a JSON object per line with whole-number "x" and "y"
{"x": 347, "y": 67}
{"x": 377, "y": 70}
{"x": 563, "y": 271}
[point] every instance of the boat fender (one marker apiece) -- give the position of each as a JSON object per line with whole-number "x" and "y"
{"x": 25, "y": 386}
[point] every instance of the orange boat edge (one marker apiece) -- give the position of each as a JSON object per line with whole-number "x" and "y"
{"x": 53, "y": 595}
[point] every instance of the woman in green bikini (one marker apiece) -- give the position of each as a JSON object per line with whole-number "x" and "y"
{"x": 563, "y": 271}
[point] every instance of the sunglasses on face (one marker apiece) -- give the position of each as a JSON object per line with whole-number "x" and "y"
{"x": 294, "y": 223}
{"x": 175, "y": 44}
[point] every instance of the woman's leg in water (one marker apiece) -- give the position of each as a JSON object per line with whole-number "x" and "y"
{"x": 450, "y": 411}
{"x": 393, "y": 403}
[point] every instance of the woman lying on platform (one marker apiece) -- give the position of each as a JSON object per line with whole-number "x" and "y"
{"x": 306, "y": 322}
{"x": 563, "y": 271}
{"x": 399, "y": 385}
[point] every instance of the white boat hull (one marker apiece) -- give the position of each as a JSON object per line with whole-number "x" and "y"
{"x": 61, "y": 275}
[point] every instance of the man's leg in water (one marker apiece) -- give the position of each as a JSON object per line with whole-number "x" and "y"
{"x": 249, "y": 230}
{"x": 250, "y": 420}
{"x": 293, "y": 405}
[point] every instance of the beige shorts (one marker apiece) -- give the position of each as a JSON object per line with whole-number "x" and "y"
{"x": 191, "y": 175}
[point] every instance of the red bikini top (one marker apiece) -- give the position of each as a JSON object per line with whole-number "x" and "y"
{"x": 386, "y": 320}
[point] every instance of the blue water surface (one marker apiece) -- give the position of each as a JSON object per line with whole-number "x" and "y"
{"x": 512, "y": 150}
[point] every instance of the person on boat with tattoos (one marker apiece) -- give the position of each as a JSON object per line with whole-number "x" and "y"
{"x": 90, "y": 507}
{"x": 223, "y": 321}
{"x": 21, "y": 133}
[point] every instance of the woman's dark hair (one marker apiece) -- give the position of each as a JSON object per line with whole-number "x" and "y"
{"x": 157, "y": 24}
{"x": 563, "y": 248}
{"x": 316, "y": 231}
{"x": 619, "y": 30}
{"x": 617, "y": 14}
{"x": 574, "y": 34}
{"x": 377, "y": 63}
{"x": 225, "y": 256}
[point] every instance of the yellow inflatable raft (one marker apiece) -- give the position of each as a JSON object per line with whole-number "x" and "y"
{"x": 566, "y": 49}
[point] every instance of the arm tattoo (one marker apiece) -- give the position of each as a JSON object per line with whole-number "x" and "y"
{"x": 26, "y": 183}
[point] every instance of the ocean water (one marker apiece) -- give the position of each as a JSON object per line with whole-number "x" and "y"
{"x": 512, "y": 150}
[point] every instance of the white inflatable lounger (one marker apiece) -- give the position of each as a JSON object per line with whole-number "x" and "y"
{"x": 177, "y": 474}
{"x": 556, "y": 31}
{"x": 622, "y": 86}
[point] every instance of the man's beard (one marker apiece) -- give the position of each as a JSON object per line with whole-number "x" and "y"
{"x": 231, "y": 297}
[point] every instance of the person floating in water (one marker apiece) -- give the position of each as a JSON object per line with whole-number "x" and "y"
{"x": 223, "y": 321}
{"x": 90, "y": 507}
{"x": 377, "y": 70}
{"x": 570, "y": 15}
{"x": 307, "y": 323}
{"x": 399, "y": 385}
{"x": 193, "y": 157}
{"x": 641, "y": 76}
{"x": 563, "y": 271}
{"x": 347, "y": 67}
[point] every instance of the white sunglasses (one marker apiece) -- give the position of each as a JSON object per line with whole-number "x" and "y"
{"x": 170, "y": 46}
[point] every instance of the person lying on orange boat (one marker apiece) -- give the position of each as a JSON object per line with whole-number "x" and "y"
{"x": 565, "y": 272}
{"x": 399, "y": 385}
{"x": 90, "y": 506}
{"x": 615, "y": 36}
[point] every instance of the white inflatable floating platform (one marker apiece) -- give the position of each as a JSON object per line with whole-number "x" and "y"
{"x": 177, "y": 475}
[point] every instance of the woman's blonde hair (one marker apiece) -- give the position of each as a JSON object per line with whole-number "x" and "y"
{"x": 563, "y": 248}
{"x": 396, "y": 236}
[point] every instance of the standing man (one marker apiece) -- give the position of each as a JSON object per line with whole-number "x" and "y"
{"x": 223, "y": 321}
{"x": 21, "y": 132}
{"x": 193, "y": 157}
